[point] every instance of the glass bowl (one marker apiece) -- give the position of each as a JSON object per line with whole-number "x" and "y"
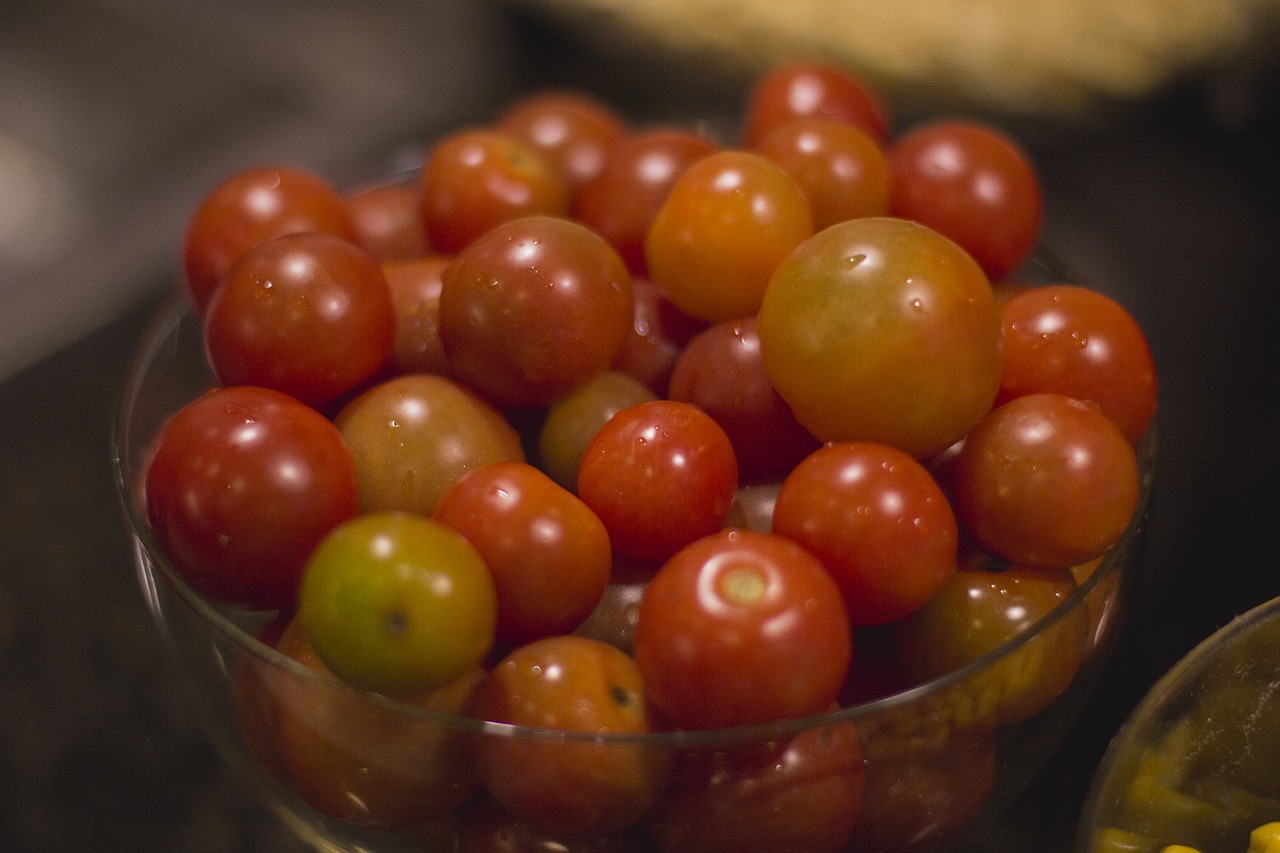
{"x": 1197, "y": 763}
{"x": 355, "y": 771}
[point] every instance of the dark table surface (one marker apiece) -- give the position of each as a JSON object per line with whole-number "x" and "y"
{"x": 1173, "y": 207}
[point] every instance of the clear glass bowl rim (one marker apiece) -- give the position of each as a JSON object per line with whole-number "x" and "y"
{"x": 126, "y": 467}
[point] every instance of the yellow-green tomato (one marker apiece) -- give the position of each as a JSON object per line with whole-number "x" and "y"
{"x": 880, "y": 329}
{"x": 396, "y": 603}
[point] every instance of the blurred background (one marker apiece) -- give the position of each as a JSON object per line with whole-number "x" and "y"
{"x": 1156, "y": 126}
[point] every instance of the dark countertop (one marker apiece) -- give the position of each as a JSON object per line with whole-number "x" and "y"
{"x": 1175, "y": 210}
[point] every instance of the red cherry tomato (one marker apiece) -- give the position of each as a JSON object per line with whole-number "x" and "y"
{"x": 388, "y": 221}
{"x": 812, "y": 90}
{"x": 659, "y": 331}
{"x": 721, "y": 372}
{"x": 548, "y": 553}
{"x": 740, "y": 628}
{"x": 727, "y": 222}
{"x": 1046, "y": 480}
{"x": 476, "y": 179}
{"x": 575, "y": 132}
{"x": 879, "y": 523}
{"x": 534, "y": 309}
{"x": 659, "y": 474}
{"x": 1075, "y": 341}
{"x": 241, "y": 484}
{"x": 973, "y": 184}
{"x": 309, "y": 314}
{"x": 415, "y": 285}
{"x": 581, "y": 786}
{"x": 249, "y": 208}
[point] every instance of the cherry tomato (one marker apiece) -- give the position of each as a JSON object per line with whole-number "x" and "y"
{"x": 415, "y": 286}
{"x": 812, "y": 90}
{"x": 740, "y": 628}
{"x": 534, "y": 309}
{"x": 721, "y": 372}
{"x": 476, "y": 179}
{"x": 728, "y": 221}
{"x": 659, "y": 331}
{"x": 841, "y": 168}
{"x": 659, "y": 475}
{"x": 249, "y": 208}
{"x": 879, "y": 523}
{"x": 879, "y": 329}
{"x": 573, "y": 131}
{"x": 354, "y": 759}
{"x": 620, "y": 203}
{"x": 309, "y": 314}
{"x": 574, "y": 419}
{"x": 388, "y": 221}
{"x": 977, "y": 612}
{"x": 1046, "y": 480}
{"x": 395, "y": 602}
{"x": 803, "y": 793}
{"x": 412, "y": 436}
{"x": 240, "y": 485}
{"x": 548, "y": 553}
{"x": 1075, "y": 341}
{"x": 973, "y": 184}
{"x": 581, "y": 786}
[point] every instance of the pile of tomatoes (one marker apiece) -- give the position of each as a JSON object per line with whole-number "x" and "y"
{"x": 603, "y": 428}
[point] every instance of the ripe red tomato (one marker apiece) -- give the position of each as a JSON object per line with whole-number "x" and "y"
{"x": 659, "y": 475}
{"x": 415, "y": 285}
{"x": 841, "y": 168}
{"x": 388, "y": 221}
{"x": 473, "y": 180}
{"x": 309, "y": 314}
{"x": 880, "y": 524}
{"x": 721, "y": 372}
{"x": 727, "y": 222}
{"x": 580, "y": 786}
{"x": 1075, "y": 341}
{"x": 575, "y": 132}
{"x": 249, "y": 208}
{"x": 803, "y": 792}
{"x": 548, "y": 552}
{"x": 740, "y": 628}
{"x": 880, "y": 329}
{"x": 659, "y": 331}
{"x": 1046, "y": 480}
{"x": 532, "y": 310}
{"x": 241, "y": 484}
{"x": 812, "y": 90}
{"x": 972, "y": 183}
{"x": 621, "y": 201}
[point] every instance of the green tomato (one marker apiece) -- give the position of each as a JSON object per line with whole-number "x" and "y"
{"x": 396, "y": 602}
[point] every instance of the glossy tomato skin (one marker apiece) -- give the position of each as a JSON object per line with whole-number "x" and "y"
{"x": 412, "y": 436}
{"x": 878, "y": 521}
{"x": 475, "y": 179}
{"x": 415, "y": 285}
{"x": 621, "y": 201}
{"x": 249, "y": 208}
{"x": 1076, "y": 341}
{"x": 739, "y": 628}
{"x": 309, "y": 314}
{"x": 534, "y": 309}
{"x": 576, "y": 133}
{"x": 240, "y": 486}
{"x": 397, "y": 603}
{"x": 1046, "y": 480}
{"x": 388, "y": 221}
{"x": 727, "y": 221}
{"x": 721, "y": 372}
{"x": 573, "y": 420}
{"x": 659, "y": 475}
{"x": 354, "y": 759}
{"x": 812, "y": 90}
{"x": 880, "y": 329}
{"x": 972, "y": 183}
{"x": 842, "y": 169}
{"x": 659, "y": 331}
{"x": 802, "y": 792}
{"x": 549, "y": 554}
{"x": 580, "y": 787}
